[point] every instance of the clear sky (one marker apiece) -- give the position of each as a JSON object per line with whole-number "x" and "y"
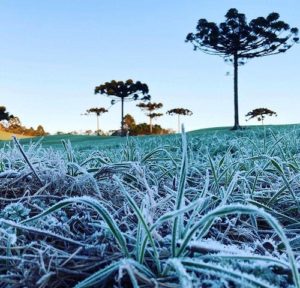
{"x": 54, "y": 52}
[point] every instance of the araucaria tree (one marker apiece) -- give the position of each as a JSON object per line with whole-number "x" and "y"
{"x": 124, "y": 91}
{"x": 236, "y": 40}
{"x": 98, "y": 111}
{"x": 260, "y": 114}
{"x": 178, "y": 112}
{"x": 150, "y": 108}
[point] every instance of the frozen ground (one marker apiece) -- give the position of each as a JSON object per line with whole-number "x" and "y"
{"x": 215, "y": 209}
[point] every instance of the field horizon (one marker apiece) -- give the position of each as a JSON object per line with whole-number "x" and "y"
{"x": 89, "y": 140}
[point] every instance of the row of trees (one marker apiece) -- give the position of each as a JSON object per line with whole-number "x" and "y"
{"x": 235, "y": 40}
{"x": 141, "y": 128}
{"x": 150, "y": 109}
{"x": 12, "y": 124}
{"x": 127, "y": 91}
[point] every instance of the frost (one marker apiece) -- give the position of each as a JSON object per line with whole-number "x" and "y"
{"x": 15, "y": 212}
{"x": 71, "y": 242}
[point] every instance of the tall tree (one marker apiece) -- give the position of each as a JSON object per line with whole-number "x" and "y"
{"x": 98, "y": 111}
{"x": 150, "y": 108}
{"x": 236, "y": 41}
{"x": 260, "y": 114}
{"x": 124, "y": 91}
{"x": 178, "y": 112}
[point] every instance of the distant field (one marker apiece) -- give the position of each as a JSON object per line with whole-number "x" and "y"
{"x": 90, "y": 142}
{"x": 7, "y": 136}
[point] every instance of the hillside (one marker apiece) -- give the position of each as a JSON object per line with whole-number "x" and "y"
{"x": 91, "y": 141}
{"x": 7, "y": 136}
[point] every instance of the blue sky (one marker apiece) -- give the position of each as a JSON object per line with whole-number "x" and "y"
{"x": 54, "y": 52}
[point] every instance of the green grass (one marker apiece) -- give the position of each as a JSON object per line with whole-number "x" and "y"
{"x": 96, "y": 141}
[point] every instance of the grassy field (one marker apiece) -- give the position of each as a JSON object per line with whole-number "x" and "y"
{"x": 85, "y": 142}
{"x": 210, "y": 208}
{"x": 7, "y": 136}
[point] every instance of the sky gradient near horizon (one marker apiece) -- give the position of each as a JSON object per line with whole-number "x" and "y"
{"x": 54, "y": 53}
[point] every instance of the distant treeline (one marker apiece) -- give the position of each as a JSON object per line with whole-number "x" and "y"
{"x": 12, "y": 124}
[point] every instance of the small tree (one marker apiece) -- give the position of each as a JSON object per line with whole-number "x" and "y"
{"x": 149, "y": 108}
{"x": 14, "y": 122}
{"x": 260, "y": 114}
{"x": 98, "y": 111}
{"x": 129, "y": 122}
{"x": 40, "y": 131}
{"x": 124, "y": 91}
{"x": 178, "y": 112}
{"x": 236, "y": 40}
{"x": 88, "y": 132}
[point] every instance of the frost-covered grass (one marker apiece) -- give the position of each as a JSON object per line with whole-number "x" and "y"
{"x": 215, "y": 209}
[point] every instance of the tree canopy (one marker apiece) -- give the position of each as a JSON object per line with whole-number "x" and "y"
{"x": 154, "y": 115}
{"x": 262, "y": 36}
{"x": 97, "y": 111}
{"x": 128, "y": 90}
{"x": 260, "y": 114}
{"x": 150, "y": 106}
{"x": 180, "y": 111}
{"x": 4, "y": 115}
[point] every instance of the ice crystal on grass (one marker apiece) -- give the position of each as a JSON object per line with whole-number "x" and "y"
{"x": 15, "y": 212}
{"x": 106, "y": 215}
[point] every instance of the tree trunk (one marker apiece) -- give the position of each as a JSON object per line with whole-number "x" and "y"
{"x": 178, "y": 123}
{"x": 236, "y": 97}
{"x": 122, "y": 119}
{"x": 98, "y": 132}
{"x": 150, "y": 125}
